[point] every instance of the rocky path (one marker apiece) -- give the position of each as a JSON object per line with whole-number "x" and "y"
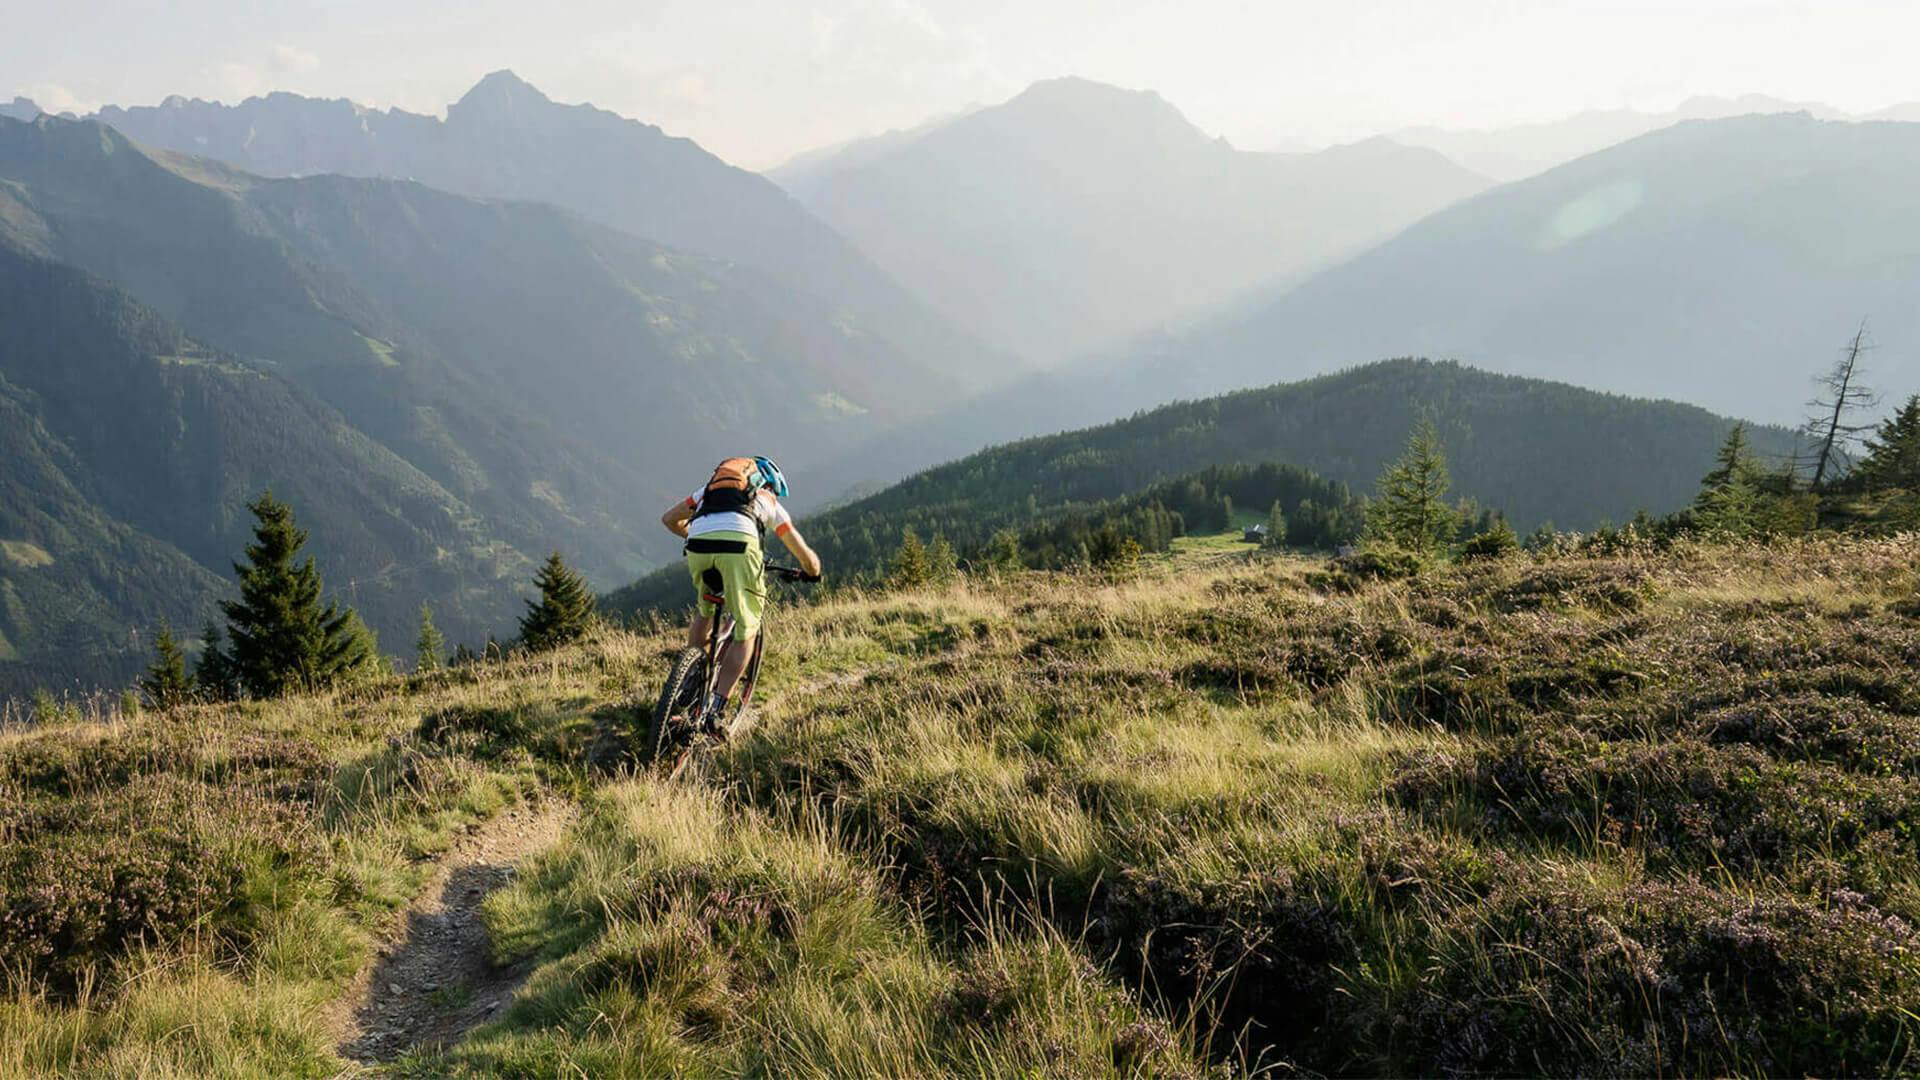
{"x": 432, "y": 980}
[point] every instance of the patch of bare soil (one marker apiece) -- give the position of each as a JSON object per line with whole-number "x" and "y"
{"x": 434, "y": 980}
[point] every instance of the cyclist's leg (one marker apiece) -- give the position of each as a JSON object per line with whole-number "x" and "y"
{"x": 746, "y": 578}
{"x": 697, "y": 565}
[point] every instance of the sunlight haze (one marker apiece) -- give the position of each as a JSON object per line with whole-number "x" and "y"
{"x": 758, "y": 81}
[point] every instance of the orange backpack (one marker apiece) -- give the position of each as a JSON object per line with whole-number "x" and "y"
{"x": 732, "y": 487}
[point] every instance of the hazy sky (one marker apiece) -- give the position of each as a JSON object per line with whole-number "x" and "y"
{"x": 755, "y": 80}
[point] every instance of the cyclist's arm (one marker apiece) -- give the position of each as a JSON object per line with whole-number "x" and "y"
{"x": 790, "y": 536}
{"x": 676, "y": 518}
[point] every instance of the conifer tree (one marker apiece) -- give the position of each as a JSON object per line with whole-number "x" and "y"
{"x": 213, "y": 676}
{"x": 943, "y": 566}
{"x": 1003, "y": 550}
{"x": 165, "y": 682}
{"x": 1411, "y": 511}
{"x": 1733, "y": 461}
{"x": 1276, "y": 526}
{"x": 1730, "y": 498}
{"x": 1844, "y": 394}
{"x": 283, "y": 638}
{"x": 565, "y": 608}
{"x": 911, "y": 568}
{"x": 428, "y": 647}
{"x": 1893, "y": 454}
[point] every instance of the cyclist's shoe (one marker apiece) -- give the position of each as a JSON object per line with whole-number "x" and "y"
{"x": 713, "y": 721}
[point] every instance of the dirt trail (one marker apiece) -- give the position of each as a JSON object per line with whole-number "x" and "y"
{"x": 433, "y": 981}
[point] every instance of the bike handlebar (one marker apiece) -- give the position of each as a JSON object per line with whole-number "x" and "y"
{"x": 790, "y": 573}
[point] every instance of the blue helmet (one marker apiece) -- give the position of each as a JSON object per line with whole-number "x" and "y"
{"x": 771, "y": 477}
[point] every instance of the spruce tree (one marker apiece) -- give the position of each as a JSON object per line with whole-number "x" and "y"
{"x": 213, "y": 676}
{"x": 165, "y": 682}
{"x": 1893, "y": 454}
{"x": 1730, "y": 498}
{"x": 1411, "y": 511}
{"x": 943, "y": 566}
{"x": 1003, "y": 550}
{"x": 911, "y": 568}
{"x": 1732, "y": 461}
{"x": 565, "y": 608}
{"x": 283, "y": 638}
{"x": 430, "y": 644}
{"x": 1276, "y": 526}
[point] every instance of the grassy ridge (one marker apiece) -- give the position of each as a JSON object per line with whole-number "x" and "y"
{"x": 1616, "y": 812}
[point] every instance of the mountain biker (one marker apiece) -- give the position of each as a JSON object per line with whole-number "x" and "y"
{"x": 722, "y": 524}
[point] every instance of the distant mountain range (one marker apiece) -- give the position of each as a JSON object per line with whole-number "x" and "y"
{"x": 1078, "y": 214}
{"x": 1514, "y": 153}
{"x": 1718, "y": 262}
{"x": 1539, "y": 451}
{"x": 506, "y": 140}
{"x": 492, "y": 379}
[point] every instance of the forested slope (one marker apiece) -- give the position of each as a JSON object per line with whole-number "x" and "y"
{"x": 1537, "y": 451}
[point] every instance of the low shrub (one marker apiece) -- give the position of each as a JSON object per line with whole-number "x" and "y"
{"x": 85, "y": 881}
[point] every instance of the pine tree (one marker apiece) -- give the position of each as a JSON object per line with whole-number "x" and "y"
{"x": 1276, "y": 526}
{"x": 1003, "y": 550}
{"x": 213, "y": 676}
{"x": 1732, "y": 461}
{"x": 1411, "y": 512}
{"x": 283, "y": 638}
{"x": 1729, "y": 502}
{"x": 430, "y": 644}
{"x": 943, "y": 566}
{"x": 165, "y": 682}
{"x": 1496, "y": 541}
{"x": 565, "y": 608}
{"x": 911, "y": 568}
{"x": 1893, "y": 454}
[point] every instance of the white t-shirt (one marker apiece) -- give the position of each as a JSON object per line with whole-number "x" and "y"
{"x": 764, "y": 513}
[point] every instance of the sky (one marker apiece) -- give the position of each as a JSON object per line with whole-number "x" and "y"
{"x": 757, "y": 81}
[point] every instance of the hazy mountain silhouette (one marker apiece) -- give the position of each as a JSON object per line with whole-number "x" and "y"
{"x": 1078, "y": 214}
{"x": 1716, "y": 262}
{"x": 1523, "y": 150}
{"x": 803, "y": 174}
{"x": 19, "y": 109}
{"x": 505, "y": 139}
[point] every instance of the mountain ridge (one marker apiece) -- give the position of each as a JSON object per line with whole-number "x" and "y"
{"x": 1077, "y": 214}
{"x": 504, "y": 139}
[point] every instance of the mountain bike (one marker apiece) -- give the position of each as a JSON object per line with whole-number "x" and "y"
{"x": 680, "y": 720}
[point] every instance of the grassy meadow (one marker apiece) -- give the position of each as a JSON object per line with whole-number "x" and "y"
{"x": 1615, "y": 811}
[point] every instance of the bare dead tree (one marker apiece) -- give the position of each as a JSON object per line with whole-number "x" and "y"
{"x": 1842, "y": 393}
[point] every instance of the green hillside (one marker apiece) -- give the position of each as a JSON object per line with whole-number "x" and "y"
{"x": 1537, "y": 451}
{"x": 131, "y": 451}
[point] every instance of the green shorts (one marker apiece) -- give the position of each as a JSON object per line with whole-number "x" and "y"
{"x": 744, "y": 576}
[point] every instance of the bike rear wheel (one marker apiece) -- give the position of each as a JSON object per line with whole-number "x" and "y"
{"x": 682, "y": 696}
{"x": 749, "y": 682}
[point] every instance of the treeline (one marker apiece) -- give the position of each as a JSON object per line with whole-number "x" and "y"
{"x": 1317, "y": 513}
{"x": 282, "y": 637}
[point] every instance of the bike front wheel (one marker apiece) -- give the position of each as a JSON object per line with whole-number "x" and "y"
{"x": 682, "y": 696}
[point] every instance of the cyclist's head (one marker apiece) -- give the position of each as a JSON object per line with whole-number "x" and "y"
{"x": 771, "y": 477}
